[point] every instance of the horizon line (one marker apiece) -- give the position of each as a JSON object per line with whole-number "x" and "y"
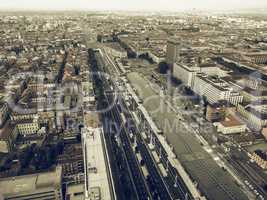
{"x": 131, "y": 10}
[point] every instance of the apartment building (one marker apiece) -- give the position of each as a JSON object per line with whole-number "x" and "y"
{"x": 8, "y": 135}
{"x": 255, "y": 113}
{"x": 260, "y": 157}
{"x": 185, "y": 73}
{"x": 28, "y": 127}
{"x": 41, "y": 186}
{"x": 231, "y": 125}
{"x": 215, "y": 89}
{"x": 4, "y": 113}
{"x": 254, "y": 94}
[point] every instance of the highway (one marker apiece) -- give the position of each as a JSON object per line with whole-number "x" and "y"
{"x": 173, "y": 182}
{"x": 170, "y": 187}
{"x": 137, "y": 178}
{"x": 155, "y": 179}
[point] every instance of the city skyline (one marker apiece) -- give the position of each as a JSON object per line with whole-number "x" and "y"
{"x": 115, "y": 100}
{"x": 138, "y": 5}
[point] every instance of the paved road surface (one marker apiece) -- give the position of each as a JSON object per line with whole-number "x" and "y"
{"x": 214, "y": 182}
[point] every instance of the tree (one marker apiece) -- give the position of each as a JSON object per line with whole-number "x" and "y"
{"x": 99, "y": 38}
{"x": 163, "y": 67}
{"x": 145, "y": 56}
{"x": 79, "y": 137}
{"x": 77, "y": 70}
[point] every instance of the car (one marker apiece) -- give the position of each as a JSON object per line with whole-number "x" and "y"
{"x": 251, "y": 187}
{"x": 142, "y": 162}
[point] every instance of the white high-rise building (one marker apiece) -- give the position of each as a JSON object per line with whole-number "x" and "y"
{"x": 215, "y": 89}
{"x": 185, "y": 73}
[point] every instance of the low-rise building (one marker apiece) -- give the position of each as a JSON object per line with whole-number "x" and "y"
{"x": 116, "y": 50}
{"x": 96, "y": 170}
{"x": 75, "y": 192}
{"x": 23, "y": 115}
{"x": 4, "y": 113}
{"x": 215, "y": 112}
{"x": 8, "y": 135}
{"x": 254, "y": 94}
{"x": 264, "y": 132}
{"x": 231, "y": 125}
{"x": 255, "y": 113}
{"x": 28, "y": 127}
{"x": 244, "y": 139}
{"x": 257, "y": 57}
{"x": 24, "y": 141}
{"x": 260, "y": 157}
{"x": 47, "y": 185}
{"x": 157, "y": 56}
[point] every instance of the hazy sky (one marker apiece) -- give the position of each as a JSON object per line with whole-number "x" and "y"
{"x": 172, "y": 5}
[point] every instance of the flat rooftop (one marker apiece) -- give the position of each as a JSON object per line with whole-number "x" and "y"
{"x": 115, "y": 46}
{"x": 95, "y": 156}
{"x": 91, "y": 120}
{"x": 30, "y": 183}
{"x": 75, "y": 192}
{"x": 231, "y": 121}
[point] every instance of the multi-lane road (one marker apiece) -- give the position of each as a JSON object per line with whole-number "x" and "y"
{"x": 174, "y": 184}
{"x": 151, "y": 184}
{"x": 212, "y": 180}
{"x": 112, "y": 118}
